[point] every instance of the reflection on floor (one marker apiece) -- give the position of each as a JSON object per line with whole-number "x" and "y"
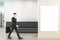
{"x": 26, "y": 36}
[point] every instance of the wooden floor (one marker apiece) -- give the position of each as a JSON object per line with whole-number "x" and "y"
{"x": 49, "y": 39}
{"x": 26, "y": 36}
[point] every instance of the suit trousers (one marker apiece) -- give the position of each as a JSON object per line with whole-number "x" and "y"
{"x": 12, "y": 31}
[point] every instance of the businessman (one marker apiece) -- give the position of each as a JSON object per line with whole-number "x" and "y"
{"x": 13, "y": 27}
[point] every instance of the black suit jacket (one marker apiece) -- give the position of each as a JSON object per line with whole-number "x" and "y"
{"x": 14, "y": 22}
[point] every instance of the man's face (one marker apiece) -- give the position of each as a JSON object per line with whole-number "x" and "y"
{"x": 15, "y": 15}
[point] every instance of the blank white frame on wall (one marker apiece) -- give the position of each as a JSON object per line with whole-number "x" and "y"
{"x": 48, "y": 18}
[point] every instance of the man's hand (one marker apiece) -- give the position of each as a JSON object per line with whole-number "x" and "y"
{"x": 17, "y": 26}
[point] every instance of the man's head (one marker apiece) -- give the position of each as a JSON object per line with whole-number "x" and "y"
{"x": 14, "y": 14}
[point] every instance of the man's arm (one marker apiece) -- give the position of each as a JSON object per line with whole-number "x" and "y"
{"x": 13, "y": 21}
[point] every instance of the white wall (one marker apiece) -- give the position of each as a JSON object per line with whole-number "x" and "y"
{"x": 26, "y": 10}
{"x": 50, "y": 34}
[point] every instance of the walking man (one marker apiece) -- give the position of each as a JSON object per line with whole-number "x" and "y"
{"x": 13, "y": 27}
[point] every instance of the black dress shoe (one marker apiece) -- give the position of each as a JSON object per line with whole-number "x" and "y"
{"x": 9, "y": 37}
{"x": 21, "y": 38}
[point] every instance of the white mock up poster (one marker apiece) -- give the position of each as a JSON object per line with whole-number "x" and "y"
{"x": 48, "y": 18}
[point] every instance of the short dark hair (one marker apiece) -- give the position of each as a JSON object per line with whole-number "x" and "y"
{"x": 14, "y": 13}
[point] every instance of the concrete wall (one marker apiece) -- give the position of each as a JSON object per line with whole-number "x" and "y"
{"x": 50, "y": 34}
